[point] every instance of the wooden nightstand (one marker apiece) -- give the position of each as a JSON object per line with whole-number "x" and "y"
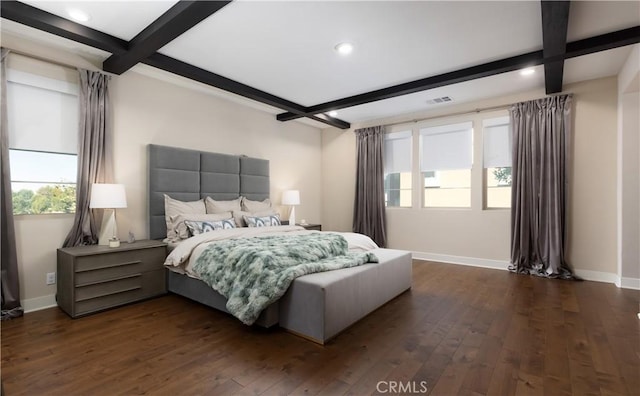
{"x": 311, "y": 227}
{"x": 94, "y": 278}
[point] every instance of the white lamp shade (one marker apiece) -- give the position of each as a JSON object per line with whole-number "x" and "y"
{"x": 108, "y": 196}
{"x": 291, "y": 197}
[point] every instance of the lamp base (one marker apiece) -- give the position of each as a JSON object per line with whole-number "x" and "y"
{"x": 108, "y": 228}
{"x": 292, "y": 216}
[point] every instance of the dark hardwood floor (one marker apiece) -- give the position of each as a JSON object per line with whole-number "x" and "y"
{"x": 460, "y": 330}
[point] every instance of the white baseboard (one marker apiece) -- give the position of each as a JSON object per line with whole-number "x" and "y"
{"x": 629, "y": 283}
{"x": 596, "y": 276}
{"x": 470, "y": 261}
{"x": 38, "y": 303}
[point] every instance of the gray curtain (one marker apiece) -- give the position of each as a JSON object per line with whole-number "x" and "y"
{"x": 9, "y": 272}
{"x": 95, "y": 151}
{"x": 541, "y": 136}
{"x": 369, "y": 212}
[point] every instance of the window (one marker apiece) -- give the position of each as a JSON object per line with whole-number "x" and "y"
{"x": 497, "y": 162}
{"x": 397, "y": 169}
{"x": 446, "y": 157}
{"x": 43, "y": 135}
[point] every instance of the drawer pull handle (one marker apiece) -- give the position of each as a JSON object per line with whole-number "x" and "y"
{"x": 108, "y": 280}
{"x": 110, "y": 293}
{"x": 109, "y": 266}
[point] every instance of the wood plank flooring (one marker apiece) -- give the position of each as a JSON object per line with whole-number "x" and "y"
{"x": 460, "y": 330}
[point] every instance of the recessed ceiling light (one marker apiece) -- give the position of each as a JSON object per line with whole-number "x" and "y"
{"x": 527, "y": 72}
{"x": 344, "y": 48}
{"x": 78, "y": 15}
{"x": 333, "y": 113}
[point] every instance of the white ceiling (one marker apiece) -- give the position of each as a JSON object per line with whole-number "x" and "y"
{"x": 287, "y": 48}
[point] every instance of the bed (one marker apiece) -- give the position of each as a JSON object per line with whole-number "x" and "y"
{"x": 316, "y": 306}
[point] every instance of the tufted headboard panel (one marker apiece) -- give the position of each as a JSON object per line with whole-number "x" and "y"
{"x": 189, "y": 175}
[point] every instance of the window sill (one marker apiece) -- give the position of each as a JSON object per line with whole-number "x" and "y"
{"x": 43, "y": 216}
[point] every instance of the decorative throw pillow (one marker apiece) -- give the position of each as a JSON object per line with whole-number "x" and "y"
{"x": 255, "y": 206}
{"x": 239, "y": 215}
{"x": 262, "y": 221}
{"x": 213, "y": 206}
{"x": 200, "y": 227}
{"x": 182, "y": 231}
{"x": 174, "y": 207}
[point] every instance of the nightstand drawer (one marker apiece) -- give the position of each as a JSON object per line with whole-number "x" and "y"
{"x": 113, "y": 300}
{"x": 119, "y": 291}
{"x": 132, "y": 261}
{"x": 108, "y": 286}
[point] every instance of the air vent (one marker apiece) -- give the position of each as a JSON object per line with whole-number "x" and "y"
{"x": 443, "y": 99}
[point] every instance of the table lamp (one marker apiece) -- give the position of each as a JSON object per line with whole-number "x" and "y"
{"x": 108, "y": 197}
{"x": 292, "y": 198}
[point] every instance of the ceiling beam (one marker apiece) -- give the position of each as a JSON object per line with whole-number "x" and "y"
{"x": 191, "y": 72}
{"x": 603, "y": 42}
{"x": 440, "y": 80}
{"x": 50, "y": 23}
{"x": 178, "y": 19}
{"x": 555, "y": 21}
{"x": 587, "y": 46}
{"x": 36, "y": 18}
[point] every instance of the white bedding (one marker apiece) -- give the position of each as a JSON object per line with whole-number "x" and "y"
{"x": 183, "y": 256}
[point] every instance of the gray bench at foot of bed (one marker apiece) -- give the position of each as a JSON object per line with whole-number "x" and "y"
{"x": 319, "y": 306}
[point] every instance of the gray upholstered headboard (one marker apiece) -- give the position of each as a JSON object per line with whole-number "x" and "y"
{"x": 189, "y": 175}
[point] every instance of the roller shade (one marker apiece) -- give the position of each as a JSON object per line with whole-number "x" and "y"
{"x": 496, "y": 143}
{"x": 397, "y": 152}
{"x": 49, "y": 122}
{"x": 446, "y": 147}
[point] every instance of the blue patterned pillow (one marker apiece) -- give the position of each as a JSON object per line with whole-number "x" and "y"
{"x": 200, "y": 227}
{"x": 262, "y": 221}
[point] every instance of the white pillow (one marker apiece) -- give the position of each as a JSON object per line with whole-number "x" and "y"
{"x": 263, "y": 221}
{"x": 200, "y": 227}
{"x": 174, "y": 207}
{"x": 238, "y": 216}
{"x": 255, "y": 206}
{"x": 213, "y": 206}
{"x": 182, "y": 229}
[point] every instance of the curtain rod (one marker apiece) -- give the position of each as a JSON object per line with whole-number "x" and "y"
{"x": 42, "y": 59}
{"x": 57, "y": 62}
{"x": 477, "y": 110}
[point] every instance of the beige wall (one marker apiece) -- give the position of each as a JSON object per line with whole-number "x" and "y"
{"x": 629, "y": 171}
{"x": 592, "y": 183}
{"x": 147, "y": 110}
{"x": 37, "y": 238}
{"x": 150, "y": 111}
{"x": 483, "y": 235}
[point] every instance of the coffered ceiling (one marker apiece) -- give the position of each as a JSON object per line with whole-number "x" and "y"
{"x": 282, "y": 54}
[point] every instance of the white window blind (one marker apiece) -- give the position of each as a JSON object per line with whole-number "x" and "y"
{"x": 397, "y": 152}
{"x": 497, "y": 142}
{"x": 446, "y": 147}
{"x": 48, "y": 123}
{"x": 42, "y": 107}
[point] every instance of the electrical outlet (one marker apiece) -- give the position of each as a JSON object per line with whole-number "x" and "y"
{"x": 51, "y": 278}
